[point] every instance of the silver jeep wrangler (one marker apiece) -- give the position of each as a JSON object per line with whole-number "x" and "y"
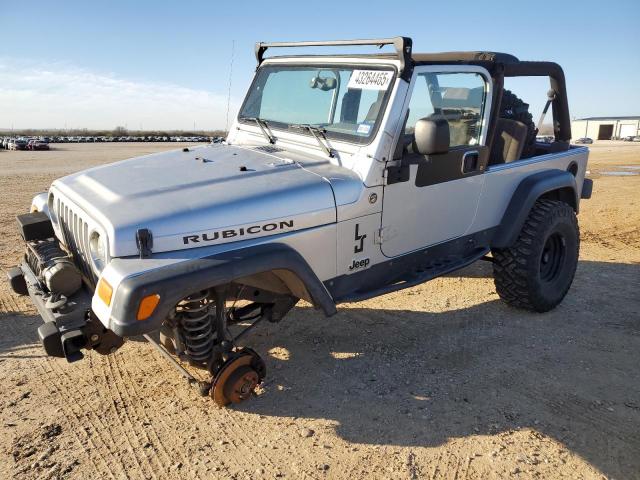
{"x": 343, "y": 178}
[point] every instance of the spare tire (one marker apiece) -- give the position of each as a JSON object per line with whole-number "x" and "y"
{"x": 513, "y": 108}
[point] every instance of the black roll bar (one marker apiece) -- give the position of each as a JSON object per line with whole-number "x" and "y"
{"x": 561, "y": 118}
{"x": 402, "y": 45}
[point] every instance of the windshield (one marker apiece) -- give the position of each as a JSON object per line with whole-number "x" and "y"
{"x": 347, "y": 102}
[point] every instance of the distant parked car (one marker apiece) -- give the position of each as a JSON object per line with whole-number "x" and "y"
{"x": 37, "y": 145}
{"x": 636, "y": 138}
{"x": 545, "y": 138}
{"x": 586, "y": 140}
{"x": 19, "y": 144}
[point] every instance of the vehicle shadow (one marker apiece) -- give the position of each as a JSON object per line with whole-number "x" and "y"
{"x": 419, "y": 378}
{"x": 479, "y": 269}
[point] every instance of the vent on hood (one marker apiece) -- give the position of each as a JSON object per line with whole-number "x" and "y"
{"x": 269, "y": 149}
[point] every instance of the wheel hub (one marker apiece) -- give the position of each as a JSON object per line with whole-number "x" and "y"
{"x": 237, "y": 378}
{"x": 553, "y": 255}
{"x": 240, "y": 384}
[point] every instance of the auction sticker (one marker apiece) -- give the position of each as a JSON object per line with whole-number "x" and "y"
{"x": 370, "y": 79}
{"x": 363, "y": 129}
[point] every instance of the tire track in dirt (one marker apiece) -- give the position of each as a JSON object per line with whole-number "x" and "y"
{"x": 76, "y": 421}
{"x": 19, "y": 338}
{"x": 229, "y": 430}
{"x": 228, "y": 427}
{"x": 106, "y": 391}
{"x": 15, "y": 309}
{"x": 464, "y": 465}
{"x": 11, "y": 303}
{"x": 105, "y": 431}
{"x": 139, "y": 409}
{"x": 134, "y": 368}
{"x": 435, "y": 473}
{"x": 133, "y": 361}
{"x": 447, "y": 465}
{"x": 132, "y": 431}
{"x": 118, "y": 404}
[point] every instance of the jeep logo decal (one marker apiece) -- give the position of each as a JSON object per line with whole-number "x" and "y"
{"x": 358, "y": 264}
{"x": 359, "y": 238}
{"x": 237, "y": 232}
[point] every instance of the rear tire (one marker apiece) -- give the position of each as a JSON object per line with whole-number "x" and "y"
{"x": 536, "y": 272}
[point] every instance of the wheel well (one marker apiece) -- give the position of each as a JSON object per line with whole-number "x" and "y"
{"x": 564, "y": 194}
{"x": 279, "y": 281}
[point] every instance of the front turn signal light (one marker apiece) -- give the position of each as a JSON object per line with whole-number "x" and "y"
{"x": 105, "y": 291}
{"x": 147, "y": 306}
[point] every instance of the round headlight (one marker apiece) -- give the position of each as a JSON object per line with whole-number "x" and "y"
{"x": 98, "y": 251}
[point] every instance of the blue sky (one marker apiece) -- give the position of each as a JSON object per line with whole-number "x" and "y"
{"x": 166, "y": 64}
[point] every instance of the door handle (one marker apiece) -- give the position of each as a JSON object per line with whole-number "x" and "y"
{"x": 470, "y": 161}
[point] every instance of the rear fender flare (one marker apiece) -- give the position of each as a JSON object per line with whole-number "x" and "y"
{"x": 553, "y": 184}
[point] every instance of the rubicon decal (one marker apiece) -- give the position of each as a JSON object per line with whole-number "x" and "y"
{"x": 238, "y": 232}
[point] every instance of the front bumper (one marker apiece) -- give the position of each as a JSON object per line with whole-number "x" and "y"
{"x": 69, "y": 326}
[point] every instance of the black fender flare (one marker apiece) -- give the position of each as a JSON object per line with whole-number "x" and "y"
{"x": 175, "y": 282}
{"x": 557, "y": 184}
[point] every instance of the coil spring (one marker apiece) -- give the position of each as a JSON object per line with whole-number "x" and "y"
{"x": 197, "y": 327}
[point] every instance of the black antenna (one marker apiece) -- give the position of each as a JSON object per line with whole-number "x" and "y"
{"x": 233, "y": 44}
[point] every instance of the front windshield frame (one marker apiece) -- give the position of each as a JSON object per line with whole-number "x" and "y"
{"x": 332, "y": 135}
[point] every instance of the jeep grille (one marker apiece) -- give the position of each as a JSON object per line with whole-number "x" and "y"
{"x": 75, "y": 232}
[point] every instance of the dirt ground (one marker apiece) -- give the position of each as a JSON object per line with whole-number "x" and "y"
{"x": 438, "y": 381}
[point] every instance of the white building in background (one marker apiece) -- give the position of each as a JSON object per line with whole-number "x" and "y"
{"x": 605, "y": 128}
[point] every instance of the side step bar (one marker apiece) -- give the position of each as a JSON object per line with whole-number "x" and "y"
{"x": 416, "y": 279}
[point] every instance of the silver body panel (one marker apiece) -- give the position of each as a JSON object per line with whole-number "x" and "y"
{"x": 502, "y": 180}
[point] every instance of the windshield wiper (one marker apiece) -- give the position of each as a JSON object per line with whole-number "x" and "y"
{"x": 317, "y": 132}
{"x": 263, "y": 128}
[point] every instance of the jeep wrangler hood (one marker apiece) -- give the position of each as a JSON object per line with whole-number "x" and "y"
{"x": 207, "y": 195}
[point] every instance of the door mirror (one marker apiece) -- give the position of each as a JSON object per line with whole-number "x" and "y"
{"x": 431, "y": 135}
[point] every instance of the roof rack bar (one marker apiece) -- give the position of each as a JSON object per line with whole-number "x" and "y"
{"x": 402, "y": 46}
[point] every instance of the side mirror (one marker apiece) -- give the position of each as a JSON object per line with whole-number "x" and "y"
{"x": 431, "y": 135}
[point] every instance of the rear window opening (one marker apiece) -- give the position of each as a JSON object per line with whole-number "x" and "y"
{"x": 525, "y": 126}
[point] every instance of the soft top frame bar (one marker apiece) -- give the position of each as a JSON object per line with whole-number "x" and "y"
{"x": 402, "y": 45}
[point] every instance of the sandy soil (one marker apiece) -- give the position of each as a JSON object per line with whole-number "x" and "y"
{"x": 439, "y": 381}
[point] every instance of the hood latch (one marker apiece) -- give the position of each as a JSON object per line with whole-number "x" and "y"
{"x": 144, "y": 240}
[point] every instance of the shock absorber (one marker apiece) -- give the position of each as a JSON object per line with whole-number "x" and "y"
{"x": 196, "y": 324}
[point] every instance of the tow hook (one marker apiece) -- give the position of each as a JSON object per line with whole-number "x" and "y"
{"x": 62, "y": 345}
